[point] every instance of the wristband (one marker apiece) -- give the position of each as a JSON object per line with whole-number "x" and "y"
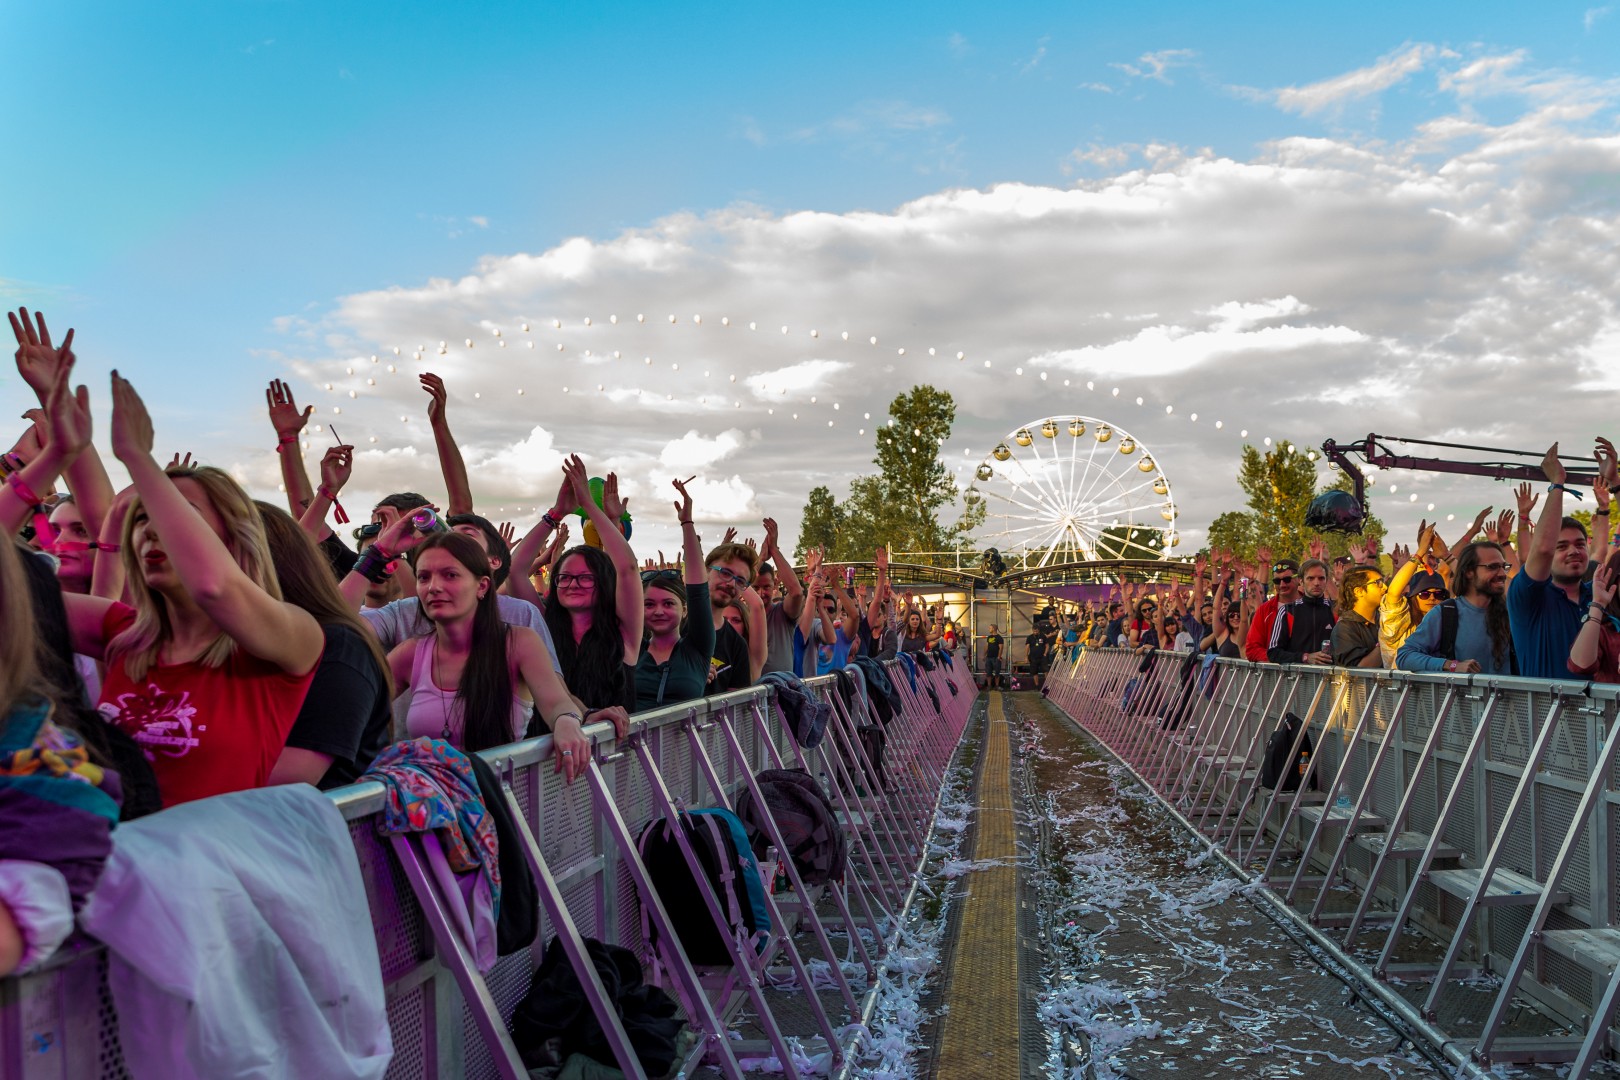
{"x": 1561, "y": 487}
{"x": 569, "y": 712}
{"x": 373, "y": 566}
{"x": 1601, "y": 513}
{"x": 102, "y": 545}
{"x": 685, "y": 521}
{"x": 555, "y": 523}
{"x": 284, "y": 440}
{"x": 337, "y": 508}
{"x": 43, "y": 532}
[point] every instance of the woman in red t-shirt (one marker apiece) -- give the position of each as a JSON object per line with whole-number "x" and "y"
{"x": 208, "y": 667}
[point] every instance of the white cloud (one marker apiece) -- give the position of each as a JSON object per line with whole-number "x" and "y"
{"x": 1354, "y": 85}
{"x": 1154, "y": 65}
{"x": 1323, "y": 286}
{"x": 1593, "y": 16}
{"x": 1035, "y": 58}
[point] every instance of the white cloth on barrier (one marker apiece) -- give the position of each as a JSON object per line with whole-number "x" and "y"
{"x": 241, "y": 941}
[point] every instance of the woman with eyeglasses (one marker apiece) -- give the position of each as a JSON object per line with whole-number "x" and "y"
{"x": 674, "y": 661}
{"x": 593, "y": 608}
{"x": 1143, "y": 633}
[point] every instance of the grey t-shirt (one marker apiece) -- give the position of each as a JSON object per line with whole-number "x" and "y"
{"x": 779, "y": 632}
{"x": 404, "y": 619}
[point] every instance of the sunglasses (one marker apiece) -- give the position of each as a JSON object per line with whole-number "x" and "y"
{"x": 1432, "y": 594}
{"x": 1283, "y": 579}
{"x": 730, "y": 575}
{"x": 649, "y": 576}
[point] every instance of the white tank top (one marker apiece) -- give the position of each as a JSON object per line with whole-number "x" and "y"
{"x": 436, "y": 713}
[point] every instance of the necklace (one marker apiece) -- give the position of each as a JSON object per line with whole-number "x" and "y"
{"x": 434, "y": 673}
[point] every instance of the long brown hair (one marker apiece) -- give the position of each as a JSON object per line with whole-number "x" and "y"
{"x": 485, "y": 690}
{"x": 1496, "y": 611}
{"x": 19, "y": 669}
{"x": 306, "y": 581}
{"x": 137, "y": 647}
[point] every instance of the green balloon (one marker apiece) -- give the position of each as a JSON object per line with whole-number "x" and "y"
{"x": 597, "y": 486}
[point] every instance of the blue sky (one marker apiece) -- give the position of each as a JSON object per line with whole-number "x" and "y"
{"x": 186, "y": 176}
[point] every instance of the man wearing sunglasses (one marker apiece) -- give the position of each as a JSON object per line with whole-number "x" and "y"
{"x": 1285, "y": 577}
{"x": 1302, "y": 629}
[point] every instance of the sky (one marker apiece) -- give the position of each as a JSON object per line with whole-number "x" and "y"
{"x": 1300, "y": 221}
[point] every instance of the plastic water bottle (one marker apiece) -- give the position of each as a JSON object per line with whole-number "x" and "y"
{"x": 1342, "y": 802}
{"x": 769, "y": 869}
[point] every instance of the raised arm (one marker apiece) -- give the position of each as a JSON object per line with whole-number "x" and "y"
{"x": 880, "y": 592}
{"x": 1539, "y": 559}
{"x": 336, "y": 466}
{"x": 377, "y": 563}
{"x": 289, "y": 423}
{"x": 1600, "y": 518}
{"x": 631, "y": 608}
{"x": 759, "y": 645}
{"x": 791, "y": 589}
{"x": 450, "y": 463}
{"x": 1585, "y": 654}
{"x": 265, "y": 627}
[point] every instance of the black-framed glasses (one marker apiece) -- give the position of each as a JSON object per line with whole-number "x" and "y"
{"x": 650, "y": 576}
{"x": 584, "y": 581}
{"x": 730, "y": 575}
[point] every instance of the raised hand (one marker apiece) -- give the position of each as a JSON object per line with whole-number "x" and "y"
{"x": 1608, "y": 461}
{"x": 400, "y": 536}
{"x": 32, "y": 441}
{"x": 1318, "y": 548}
{"x": 131, "y": 423}
{"x": 1481, "y": 517}
{"x": 1200, "y": 564}
{"x": 1358, "y": 551}
{"x": 67, "y": 411}
{"x": 436, "y": 393}
{"x": 566, "y": 503}
{"x": 1504, "y": 527}
{"x": 578, "y": 484}
{"x": 284, "y": 414}
{"x": 1527, "y": 498}
{"x": 37, "y": 358}
{"x": 613, "y": 506}
{"x": 177, "y": 462}
{"x": 507, "y": 533}
{"x": 683, "y": 506}
{"x": 1603, "y": 586}
{"x": 1552, "y": 468}
{"x": 1399, "y": 556}
{"x": 1263, "y": 553}
{"x": 1600, "y": 491}
{"x": 812, "y": 560}
{"x": 730, "y": 536}
{"x": 337, "y": 464}
{"x": 768, "y": 548}
{"x": 881, "y": 557}
{"x": 1425, "y": 539}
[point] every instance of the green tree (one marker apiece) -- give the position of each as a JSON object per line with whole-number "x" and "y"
{"x": 899, "y": 505}
{"x": 822, "y": 523}
{"x": 1128, "y": 542}
{"x": 1278, "y": 486}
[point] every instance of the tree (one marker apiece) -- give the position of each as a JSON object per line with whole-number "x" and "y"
{"x": 900, "y": 504}
{"x": 1128, "y": 542}
{"x": 822, "y": 522}
{"x": 1279, "y": 486}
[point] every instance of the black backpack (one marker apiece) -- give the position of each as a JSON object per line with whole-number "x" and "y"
{"x": 734, "y": 881}
{"x": 873, "y": 740}
{"x": 807, "y": 820}
{"x": 518, "y": 921}
{"x": 1281, "y": 766}
{"x": 1448, "y": 635}
{"x": 555, "y": 1018}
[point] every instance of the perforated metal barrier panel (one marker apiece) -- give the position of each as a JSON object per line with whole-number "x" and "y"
{"x": 59, "y": 1021}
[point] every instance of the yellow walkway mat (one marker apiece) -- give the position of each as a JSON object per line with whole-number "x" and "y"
{"x": 980, "y": 1033}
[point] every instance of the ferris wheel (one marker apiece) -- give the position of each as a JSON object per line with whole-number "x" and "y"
{"x": 1073, "y": 488}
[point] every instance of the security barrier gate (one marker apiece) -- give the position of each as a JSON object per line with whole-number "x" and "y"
{"x": 1483, "y": 811}
{"x": 448, "y": 1020}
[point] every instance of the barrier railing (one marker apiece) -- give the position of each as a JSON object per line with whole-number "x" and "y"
{"x": 1483, "y": 811}
{"x": 448, "y": 1020}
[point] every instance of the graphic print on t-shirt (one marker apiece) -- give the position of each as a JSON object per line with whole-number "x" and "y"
{"x": 159, "y": 721}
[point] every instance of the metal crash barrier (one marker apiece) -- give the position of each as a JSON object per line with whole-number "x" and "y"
{"x": 1482, "y": 812}
{"x": 448, "y": 1020}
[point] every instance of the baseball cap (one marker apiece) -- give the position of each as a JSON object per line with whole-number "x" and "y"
{"x": 1424, "y": 579}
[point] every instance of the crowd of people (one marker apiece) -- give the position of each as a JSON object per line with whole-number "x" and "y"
{"x": 179, "y": 639}
{"x": 1510, "y": 597}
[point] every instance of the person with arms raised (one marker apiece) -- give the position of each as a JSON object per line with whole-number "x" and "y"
{"x": 674, "y": 661}
{"x": 1548, "y": 597}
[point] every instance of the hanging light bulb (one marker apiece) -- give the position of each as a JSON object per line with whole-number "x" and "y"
{"x": 1077, "y": 428}
{"x": 1049, "y": 429}
{"x": 1127, "y": 445}
{"x": 1001, "y": 452}
{"x": 1104, "y": 433}
{"x": 1023, "y": 437}
{"x": 1146, "y": 464}
{"x": 984, "y": 472}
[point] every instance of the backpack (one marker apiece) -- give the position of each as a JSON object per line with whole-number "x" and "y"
{"x": 721, "y": 844}
{"x": 1448, "y": 635}
{"x": 873, "y": 740}
{"x": 1279, "y": 765}
{"x": 555, "y": 1019}
{"x": 807, "y": 821}
{"x": 518, "y": 920}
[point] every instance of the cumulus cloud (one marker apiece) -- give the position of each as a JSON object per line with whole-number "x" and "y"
{"x": 1361, "y": 83}
{"x": 1457, "y": 280}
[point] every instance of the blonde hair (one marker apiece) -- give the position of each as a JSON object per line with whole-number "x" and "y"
{"x": 18, "y": 665}
{"x": 137, "y": 647}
